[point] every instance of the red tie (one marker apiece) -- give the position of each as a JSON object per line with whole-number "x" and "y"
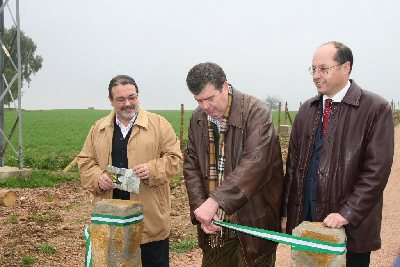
{"x": 327, "y": 114}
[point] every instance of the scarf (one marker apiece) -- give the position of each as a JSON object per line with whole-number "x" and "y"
{"x": 217, "y": 168}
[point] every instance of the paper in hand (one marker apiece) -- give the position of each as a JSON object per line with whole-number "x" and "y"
{"x": 124, "y": 179}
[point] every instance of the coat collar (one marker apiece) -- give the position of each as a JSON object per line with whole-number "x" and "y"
{"x": 352, "y": 96}
{"x": 236, "y": 116}
{"x": 142, "y": 119}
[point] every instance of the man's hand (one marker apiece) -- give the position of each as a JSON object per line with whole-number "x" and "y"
{"x": 211, "y": 228}
{"x": 335, "y": 220}
{"x": 142, "y": 171}
{"x": 283, "y": 224}
{"x": 205, "y": 213}
{"x": 105, "y": 182}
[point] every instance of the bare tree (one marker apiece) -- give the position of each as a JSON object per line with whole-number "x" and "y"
{"x": 272, "y": 102}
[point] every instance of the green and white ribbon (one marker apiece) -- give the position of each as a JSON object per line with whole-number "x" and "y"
{"x": 297, "y": 242}
{"x": 117, "y": 220}
{"x": 110, "y": 220}
{"x": 88, "y": 253}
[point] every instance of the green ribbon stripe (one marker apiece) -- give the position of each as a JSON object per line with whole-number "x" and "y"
{"x": 297, "y": 243}
{"x": 88, "y": 254}
{"x": 117, "y": 220}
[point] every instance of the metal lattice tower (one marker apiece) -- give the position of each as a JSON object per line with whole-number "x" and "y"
{"x": 5, "y": 86}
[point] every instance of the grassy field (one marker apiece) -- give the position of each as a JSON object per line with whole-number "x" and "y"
{"x": 53, "y": 138}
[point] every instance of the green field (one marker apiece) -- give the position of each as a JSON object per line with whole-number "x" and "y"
{"x": 53, "y": 138}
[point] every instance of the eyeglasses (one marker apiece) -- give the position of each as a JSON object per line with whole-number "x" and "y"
{"x": 321, "y": 69}
{"x": 122, "y": 99}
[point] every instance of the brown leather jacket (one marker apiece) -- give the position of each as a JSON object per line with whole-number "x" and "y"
{"x": 354, "y": 166}
{"x": 252, "y": 189}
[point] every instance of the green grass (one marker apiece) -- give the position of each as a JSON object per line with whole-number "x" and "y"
{"x": 47, "y": 248}
{"x": 42, "y": 219}
{"x": 28, "y": 260}
{"x": 13, "y": 219}
{"x": 38, "y": 178}
{"x": 184, "y": 246}
{"x": 284, "y": 119}
{"x": 49, "y": 197}
{"x": 53, "y": 138}
{"x": 174, "y": 117}
{"x": 176, "y": 180}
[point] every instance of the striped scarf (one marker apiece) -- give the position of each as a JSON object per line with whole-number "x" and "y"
{"x": 217, "y": 168}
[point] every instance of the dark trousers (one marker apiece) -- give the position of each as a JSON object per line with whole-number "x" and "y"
{"x": 230, "y": 255}
{"x": 155, "y": 254}
{"x": 357, "y": 259}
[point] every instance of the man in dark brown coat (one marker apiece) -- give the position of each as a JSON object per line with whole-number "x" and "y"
{"x": 232, "y": 169}
{"x": 340, "y": 156}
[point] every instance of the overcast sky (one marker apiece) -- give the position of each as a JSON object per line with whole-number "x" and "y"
{"x": 264, "y": 47}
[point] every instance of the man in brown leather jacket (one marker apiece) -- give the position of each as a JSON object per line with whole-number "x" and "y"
{"x": 339, "y": 161}
{"x": 232, "y": 169}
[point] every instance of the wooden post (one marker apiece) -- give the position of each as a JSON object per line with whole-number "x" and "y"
{"x": 279, "y": 117}
{"x": 290, "y": 118}
{"x": 286, "y": 109}
{"x": 70, "y": 166}
{"x": 182, "y": 126}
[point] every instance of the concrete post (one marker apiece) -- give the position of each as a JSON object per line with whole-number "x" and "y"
{"x": 318, "y": 231}
{"x": 116, "y": 245}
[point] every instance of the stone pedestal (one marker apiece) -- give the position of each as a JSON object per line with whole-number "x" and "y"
{"x": 7, "y": 171}
{"x": 318, "y": 231}
{"x": 285, "y": 129}
{"x": 112, "y": 244}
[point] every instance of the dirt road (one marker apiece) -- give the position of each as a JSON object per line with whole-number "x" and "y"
{"x": 391, "y": 214}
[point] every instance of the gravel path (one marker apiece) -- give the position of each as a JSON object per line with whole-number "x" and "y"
{"x": 390, "y": 230}
{"x": 391, "y": 214}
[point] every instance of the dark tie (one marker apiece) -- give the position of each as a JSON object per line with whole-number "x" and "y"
{"x": 327, "y": 114}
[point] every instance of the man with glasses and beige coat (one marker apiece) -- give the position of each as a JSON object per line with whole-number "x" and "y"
{"x": 133, "y": 138}
{"x": 340, "y": 156}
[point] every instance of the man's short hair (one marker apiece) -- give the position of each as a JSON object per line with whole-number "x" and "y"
{"x": 203, "y": 74}
{"x": 343, "y": 53}
{"x": 123, "y": 80}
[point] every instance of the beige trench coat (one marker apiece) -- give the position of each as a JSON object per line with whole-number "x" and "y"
{"x": 152, "y": 141}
